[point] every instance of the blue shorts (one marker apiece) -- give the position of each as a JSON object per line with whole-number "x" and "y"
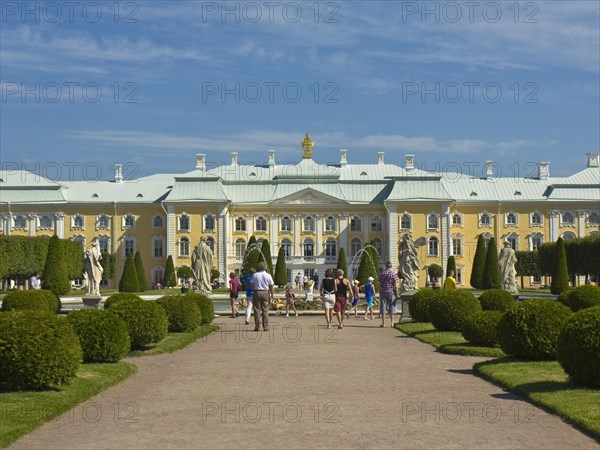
{"x": 387, "y": 303}
{"x": 369, "y": 302}
{"x": 354, "y": 302}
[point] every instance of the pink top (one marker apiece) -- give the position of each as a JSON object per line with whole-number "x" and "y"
{"x": 234, "y": 283}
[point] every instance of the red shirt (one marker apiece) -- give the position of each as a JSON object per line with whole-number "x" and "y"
{"x": 234, "y": 284}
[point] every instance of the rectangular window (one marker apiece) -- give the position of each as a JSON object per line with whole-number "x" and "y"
{"x": 209, "y": 223}
{"x": 129, "y": 247}
{"x": 457, "y": 246}
{"x": 158, "y": 248}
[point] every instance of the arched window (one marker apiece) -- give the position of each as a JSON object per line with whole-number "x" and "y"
{"x": 355, "y": 224}
{"x": 102, "y": 222}
{"x": 80, "y": 239}
{"x": 286, "y": 224}
{"x": 511, "y": 219}
{"x": 45, "y": 222}
{"x": 330, "y": 249}
{"x": 240, "y": 248}
{"x": 261, "y": 224}
{"x": 536, "y": 239}
{"x": 210, "y": 241}
{"x": 209, "y": 222}
{"x": 128, "y": 220}
{"x": 157, "y": 221}
{"x": 568, "y": 235}
{"x": 593, "y": 219}
{"x": 594, "y": 233}
{"x": 240, "y": 224}
{"x": 457, "y": 220}
{"x": 433, "y": 222}
{"x": 128, "y": 246}
{"x": 535, "y": 219}
{"x": 405, "y": 222}
{"x": 378, "y": 244}
{"x": 20, "y": 221}
{"x": 158, "y": 247}
{"x": 376, "y": 223}
{"x": 355, "y": 246}
{"x": 485, "y": 219}
{"x": 184, "y": 247}
{"x": 78, "y": 222}
{"x": 309, "y": 224}
{"x": 104, "y": 243}
{"x": 286, "y": 244}
{"x": 184, "y": 222}
{"x": 433, "y": 246}
{"x": 308, "y": 248}
{"x": 567, "y": 219}
{"x": 513, "y": 240}
{"x": 330, "y": 224}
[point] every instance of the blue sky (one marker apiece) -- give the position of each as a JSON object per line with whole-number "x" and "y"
{"x": 513, "y": 82}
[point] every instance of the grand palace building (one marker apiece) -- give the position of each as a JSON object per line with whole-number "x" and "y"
{"x": 310, "y": 209}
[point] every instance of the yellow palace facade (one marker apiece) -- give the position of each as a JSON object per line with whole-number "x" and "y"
{"x": 310, "y": 209}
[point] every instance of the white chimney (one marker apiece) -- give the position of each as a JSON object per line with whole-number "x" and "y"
{"x": 201, "y": 161}
{"x": 593, "y": 159}
{"x": 343, "y": 160}
{"x": 380, "y": 157}
{"x": 118, "y": 173}
{"x": 489, "y": 173}
{"x": 234, "y": 158}
{"x": 271, "y": 158}
{"x": 410, "y": 162}
{"x": 543, "y": 170}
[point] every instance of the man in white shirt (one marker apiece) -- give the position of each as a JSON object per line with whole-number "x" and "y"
{"x": 264, "y": 293}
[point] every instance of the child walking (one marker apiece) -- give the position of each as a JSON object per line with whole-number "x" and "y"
{"x": 355, "y": 291}
{"x": 369, "y": 296}
{"x": 290, "y": 300}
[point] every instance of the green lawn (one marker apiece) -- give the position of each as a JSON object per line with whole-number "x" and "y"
{"x": 23, "y": 411}
{"x": 545, "y": 383}
{"x": 447, "y": 341}
{"x": 176, "y": 341}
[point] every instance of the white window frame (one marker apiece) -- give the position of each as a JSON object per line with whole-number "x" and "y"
{"x": 567, "y": 224}
{"x": 263, "y": 221}
{"x": 437, "y": 246}
{"x": 283, "y": 224}
{"x": 162, "y": 221}
{"x": 18, "y": 227}
{"x": 125, "y": 239}
{"x": 330, "y": 224}
{"x": 99, "y": 226}
{"x": 507, "y": 215}
{"x": 308, "y": 242}
{"x": 74, "y": 217}
{"x": 306, "y": 229}
{"x": 485, "y": 225}
{"x": 376, "y": 224}
{"x": 380, "y": 249}
{"x": 460, "y": 274}
{"x": 461, "y": 239}
{"x": 212, "y": 243}
{"x": 43, "y": 227}
{"x": 532, "y": 223}
{"x": 213, "y": 219}
{"x": 436, "y": 216}
{"x": 287, "y": 247}
{"x": 79, "y": 238}
{"x": 155, "y": 240}
{"x": 355, "y": 224}
{"x": 532, "y": 238}
{"x": 329, "y": 254}
{"x": 183, "y": 254}
{"x": 153, "y": 274}
{"x": 587, "y": 219}
{"x": 181, "y": 229}
{"x": 353, "y": 244}
{"x": 401, "y": 217}
{"x": 104, "y": 238}
{"x": 125, "y": 218}
{"x": 570, "y": 233}
{"x": 237, "y": 246}
{"x": 461, "y": 217}
{"x": 239, "y": 224}
{"x": 516, "y": 238}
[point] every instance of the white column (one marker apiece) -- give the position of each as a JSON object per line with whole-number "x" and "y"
{"x": 365, "y": 224}
{"x": 392, "y": 233}
{"x": 581, "y": 223}
{"x": 32, "y": 224}
{"x": 223, "y": 239}
{"x": 170, "y": 230}
{"x": 6, "y": 222}
{"x": 553, "y": 226}
{"x": 446, "y": 239}
{"x": 249, "y": 225}
{"x": 60, "y": 224}
{"x": 319, "y": 246}
{"x": 344, "y": 232}
{"x": 273, "y": 219}
{"x": 296, "y": 245}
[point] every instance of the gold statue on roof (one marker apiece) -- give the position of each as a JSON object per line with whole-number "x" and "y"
{"x": 307, "y": 145}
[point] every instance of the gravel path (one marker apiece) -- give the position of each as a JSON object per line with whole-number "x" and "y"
{"x": 303, "y": 386}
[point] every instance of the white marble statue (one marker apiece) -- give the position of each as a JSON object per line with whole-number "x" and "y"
{"x": 506, "y": 266}
{"x": 202, "y": 263}
{"x": 409, "y": 264}
{"x": 93, "y": 269}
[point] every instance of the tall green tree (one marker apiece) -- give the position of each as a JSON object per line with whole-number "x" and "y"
{"x": 108, "y": 263}
{"x": 365, "y": 267}
{"x": 266, "y": 251}
{"x": 55, "y": 276}
{"x": 129, "y": 279}
{"x": 491, "y": 272}
{"x": 169, "y": 279}
{"x": 560, "y": 274}
{"x": 479, "y": 263}
{"x": 252, "y": 256}
{"x": 280, "y": 278}
{"x": 341, "y": 261}
{"x": 451, "y": 265}
{"x": 141, "y": 272}
{"x": 527, "y": 265}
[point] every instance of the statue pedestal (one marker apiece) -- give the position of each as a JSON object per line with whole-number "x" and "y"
{"x": 91, "y": 301}
{"x": 404, "y": 299}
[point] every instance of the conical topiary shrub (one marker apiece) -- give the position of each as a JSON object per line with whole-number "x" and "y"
{"x": 451, "y": 266}
{"x": 479, "y": 263}
{"x": 169, "y": 279}
{"x": 560, "y": 272}
{"x": 55, "y": 278}
{"x": 129, "y": 280}
{"x": 341, "y": 262}
{"x": 280, "y": 269}
{"x": 141, "y": 272}
{"x": 491, "y": 273}
{"x": 266, "y": 251}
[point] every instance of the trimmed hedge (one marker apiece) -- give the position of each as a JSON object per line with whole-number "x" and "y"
{"x": 32, "y": 300}
{"x": 129, "y": 279}
{"x": 562, "y": 297}
{"x": 419, "y": 303}
{"x": 56, "y": 277}
{"x": 103, "y": 335}
{"x": 579, "y": 347}
{"x": 496, "y": 300}
{"x": 118, "y": 298}
{"x": 582, "y": 297}
{"x": 147, "y": 321}
{"x": 37, "y": 350}
{"x": 449, "y": 311}
{"x": 206, "y": 307}
{"x": 531, "y": 328}
{"x": 482, "y": 328}
{"x": 183, "y": 313}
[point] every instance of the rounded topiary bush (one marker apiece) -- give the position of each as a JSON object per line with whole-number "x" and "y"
{"x": 450, "y": 310}
{"x": 583, "y": 297}
{"x": 531, "y": 328}
{"x": 120, "y": 297}
{"x": 103, "y": 335}
{"x": 32, "y": 300}
{"x": 206, "y": 306}
{"x": 182, "y": 312}
{"x": 579, "y": 347}
{"x": 562, "y": 297}
{"x": 54, "y": 304}
{"x": 418, "y": 305}
{"x": 496, "y": 300}
{"x": 37, "y": 349}
{"x": 147, "y": 321}
{"x": 482, "y": 328}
